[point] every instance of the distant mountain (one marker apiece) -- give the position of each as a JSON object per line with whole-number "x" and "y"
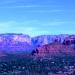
{"x": 12, "y": 43}
{"x": 47, "y": 39}
{"x": 20, "y": 43}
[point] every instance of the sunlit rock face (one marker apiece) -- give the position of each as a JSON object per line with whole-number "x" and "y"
{"x": 54, "y": 49}
{"x": 12, "y": 43}
{"x": 22, "y": 38}
{"x": 47, "y": 39}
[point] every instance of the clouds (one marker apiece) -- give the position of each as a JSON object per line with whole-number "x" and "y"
{"x": 13, "y": 26}
{"x": 32, "y": 6}
{"x": 46, "y": 11}
{"x": 36, "y": 27}
{"x": 36, "y": 17}
{"x": 14, "y": 1}
{"x": 30, "y": 27}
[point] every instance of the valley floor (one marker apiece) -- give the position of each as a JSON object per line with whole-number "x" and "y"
{"x": 38, "y": 66}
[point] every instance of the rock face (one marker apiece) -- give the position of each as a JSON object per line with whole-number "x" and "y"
{"x": 57, "y": 48}
{"x": 54, "y": 50}
{"x": 47, "y": 39}
{"x": 70, "y": 40}
{"x": 15, "y": 43}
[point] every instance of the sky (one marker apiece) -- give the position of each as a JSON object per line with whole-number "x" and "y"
{"x": 37, "y": 17}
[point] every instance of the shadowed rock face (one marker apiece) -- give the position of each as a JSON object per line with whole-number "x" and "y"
{"x": 70, "y": 40}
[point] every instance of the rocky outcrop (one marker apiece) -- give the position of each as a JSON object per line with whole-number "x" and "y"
{"x": 70, "y": 40}
{"x": 47, "y": 39}
{"x": 12, "y": 43}
{"x": 15, "y": 43}
{"x": 54, "y": 49}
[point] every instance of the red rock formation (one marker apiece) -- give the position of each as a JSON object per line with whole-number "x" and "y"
{"x": 69, "y": 40}
{"x": 54, "y": 49}
{"x": 15, "y": 43}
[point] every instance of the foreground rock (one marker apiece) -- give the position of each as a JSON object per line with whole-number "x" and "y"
{"x": 54, "y": 49}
